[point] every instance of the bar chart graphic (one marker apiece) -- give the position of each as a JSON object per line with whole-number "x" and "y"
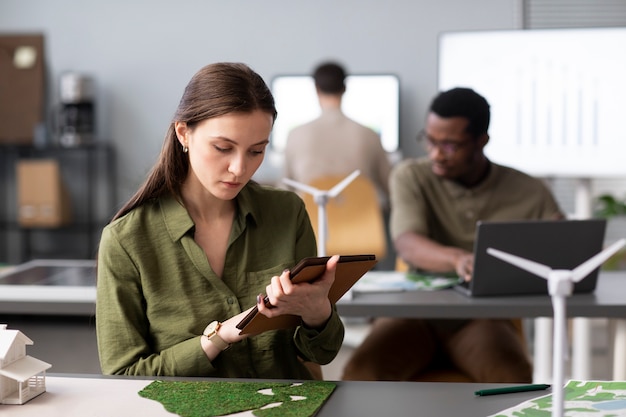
{"x": 556, "y": 96}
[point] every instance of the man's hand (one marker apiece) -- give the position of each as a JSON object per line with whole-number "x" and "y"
{"x": 465, "y": 266}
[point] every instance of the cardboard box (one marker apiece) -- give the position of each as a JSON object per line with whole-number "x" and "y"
{"x": 22, "y": 87}
{"x": 43, "y": 200}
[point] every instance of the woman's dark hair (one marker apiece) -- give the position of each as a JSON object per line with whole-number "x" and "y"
{"x": 215, "y": 90}
{"x": 464, "y": 102}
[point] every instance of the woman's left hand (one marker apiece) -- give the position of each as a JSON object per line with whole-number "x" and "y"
{"x": 308, "y": 300}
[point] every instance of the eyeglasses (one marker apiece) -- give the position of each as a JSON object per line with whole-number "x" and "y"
{"x": 447, "y": 147}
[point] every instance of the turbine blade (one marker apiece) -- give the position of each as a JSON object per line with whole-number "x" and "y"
{"x": 531, "y": 266}
{"x": 582, "y": 270}
{"x": 334, "y": 192}
{"x": 302, "y": 187}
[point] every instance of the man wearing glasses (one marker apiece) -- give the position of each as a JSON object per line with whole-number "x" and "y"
{"x": 435, "y": 204}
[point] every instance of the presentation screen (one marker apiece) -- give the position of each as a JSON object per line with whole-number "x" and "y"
{"x": 556, "y": 96}
{"x": 372, "y": 100}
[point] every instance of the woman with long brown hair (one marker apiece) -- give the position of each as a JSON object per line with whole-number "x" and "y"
{"x": 200, "y": 242}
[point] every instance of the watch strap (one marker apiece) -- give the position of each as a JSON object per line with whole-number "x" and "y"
{"x": 211, "y": 333}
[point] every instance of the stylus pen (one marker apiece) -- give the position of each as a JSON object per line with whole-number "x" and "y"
{"x": 508, "y": 390}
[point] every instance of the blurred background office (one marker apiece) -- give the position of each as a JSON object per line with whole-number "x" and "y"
{"x": 138, "y": 55}
{"x": 129, "y": 47}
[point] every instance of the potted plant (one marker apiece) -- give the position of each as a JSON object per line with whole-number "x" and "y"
{"x": 614, "y": 210}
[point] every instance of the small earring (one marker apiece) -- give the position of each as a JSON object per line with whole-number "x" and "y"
{"x": 185, "y": 149}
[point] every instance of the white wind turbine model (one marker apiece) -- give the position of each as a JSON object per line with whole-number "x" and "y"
{"x": 321, "y": 198}
{"x": 560, "y": 285}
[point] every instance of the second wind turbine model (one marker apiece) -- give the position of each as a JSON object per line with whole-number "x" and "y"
{"x": 321, "y": 198}
{"x": 560, "y": 286}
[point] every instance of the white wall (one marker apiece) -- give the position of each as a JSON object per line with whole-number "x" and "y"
{"x": 142, "y": 53}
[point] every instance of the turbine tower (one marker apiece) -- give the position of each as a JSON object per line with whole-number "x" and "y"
{"x": 560, "y": 286}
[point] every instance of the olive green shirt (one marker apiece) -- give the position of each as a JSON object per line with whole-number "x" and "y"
{"x": 447, "y": 212}
{"x": 156, "y": 291}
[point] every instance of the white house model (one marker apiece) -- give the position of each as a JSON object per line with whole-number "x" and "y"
{"x": 22, "y": 377}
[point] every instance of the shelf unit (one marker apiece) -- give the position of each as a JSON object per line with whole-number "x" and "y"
{"x": 88, "y": 173}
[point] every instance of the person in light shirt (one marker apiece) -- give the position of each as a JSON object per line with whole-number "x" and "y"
{"x": 334, "y": 144}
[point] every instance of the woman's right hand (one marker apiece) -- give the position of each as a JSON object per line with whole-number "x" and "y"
{"x": 309, "y": 300}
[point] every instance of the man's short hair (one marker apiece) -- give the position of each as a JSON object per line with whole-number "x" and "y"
{"x": 464, "y": 102}
{"x": 330, "y": 78}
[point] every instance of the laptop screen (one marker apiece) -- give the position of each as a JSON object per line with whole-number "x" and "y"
{"x": 558, "y": 244}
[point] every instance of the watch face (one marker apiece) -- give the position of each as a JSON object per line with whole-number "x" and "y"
{"x": 212, "y": 327}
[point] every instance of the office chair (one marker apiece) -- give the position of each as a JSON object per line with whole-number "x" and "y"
{"x": 355, "y": 218}
{"x": 355, "y": 224}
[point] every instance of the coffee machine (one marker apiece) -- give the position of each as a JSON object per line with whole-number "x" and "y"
{"x": 76, "y": 114}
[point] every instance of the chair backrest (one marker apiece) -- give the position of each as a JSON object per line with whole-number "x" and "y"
{"x": 355, "y": 217}
{"x": 401, "y": 265}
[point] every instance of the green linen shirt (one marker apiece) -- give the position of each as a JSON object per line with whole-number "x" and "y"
{"x": 156, "y": 291}
{"x": 447, "y": 212}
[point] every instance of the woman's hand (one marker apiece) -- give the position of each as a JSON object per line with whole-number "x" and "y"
{"x": 308, "y": 300}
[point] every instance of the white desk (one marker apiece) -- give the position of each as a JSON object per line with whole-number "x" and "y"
{"x": 49, "y": 286}
{"x": 97, "y": 396}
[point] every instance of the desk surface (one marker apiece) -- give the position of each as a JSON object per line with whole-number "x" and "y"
{"x": 103, "y": 396}
{"x": 608, "y": 300}
{"x": 49, "y": 286}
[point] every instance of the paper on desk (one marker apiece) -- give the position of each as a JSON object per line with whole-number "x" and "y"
{"x": 582, "y": 398}
{"x": 392, "y": 281}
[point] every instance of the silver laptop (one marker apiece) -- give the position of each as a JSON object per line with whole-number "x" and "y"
{"x": 559, "y": 244}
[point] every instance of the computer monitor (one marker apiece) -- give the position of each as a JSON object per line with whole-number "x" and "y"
{"x": 555, "y": 95}
{"x": 372, "y": 100}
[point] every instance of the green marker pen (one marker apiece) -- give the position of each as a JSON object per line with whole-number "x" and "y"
{"x": 508, "y": 390}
